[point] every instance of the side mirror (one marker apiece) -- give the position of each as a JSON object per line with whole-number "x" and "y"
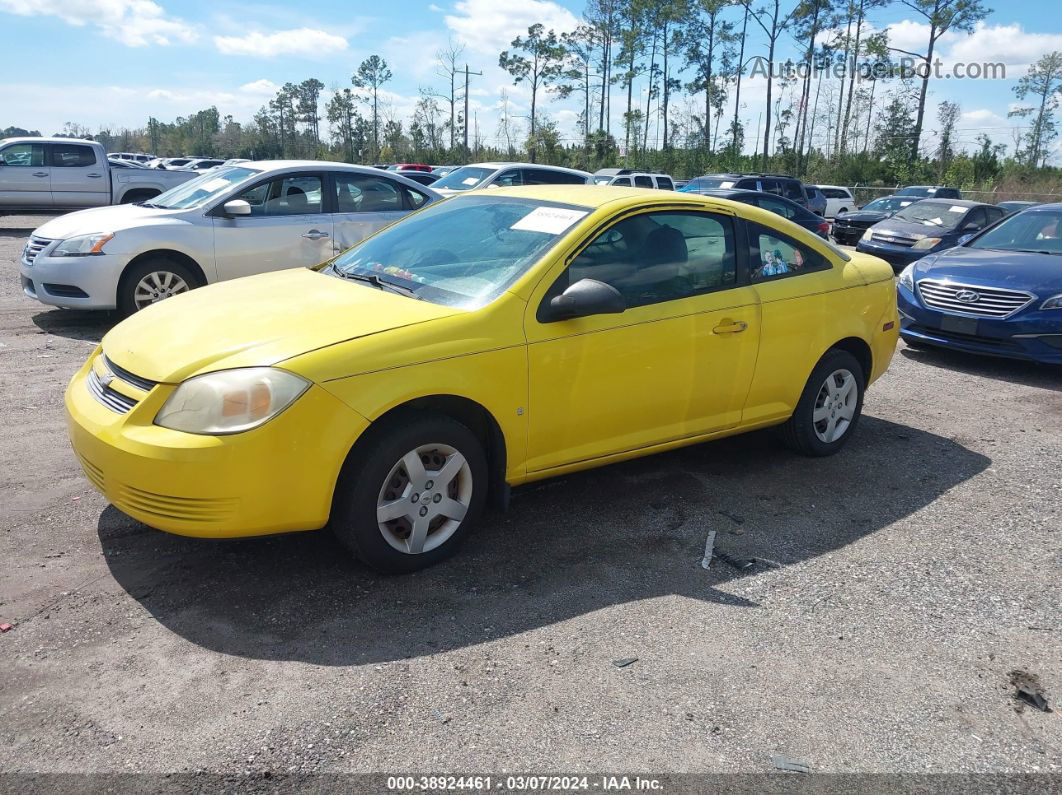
{"x": 236, "y": 207}
{"x": 584, "y": 298}
{"x": 962, "y": 240}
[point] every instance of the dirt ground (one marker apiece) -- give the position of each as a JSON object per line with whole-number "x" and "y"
{"x": 913, "y": 579}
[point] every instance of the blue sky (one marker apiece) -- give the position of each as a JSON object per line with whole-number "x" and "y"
{"x": 115, "y": 62}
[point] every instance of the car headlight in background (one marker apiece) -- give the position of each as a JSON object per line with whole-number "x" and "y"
{"x": 1054, "y": 302}
{"x": 926, "y": 242}
{"x": 907, "y": 277}
{"x": 230, "y": 401}
{"x": 868, "y": 234}
{"x": 82, "y": 245}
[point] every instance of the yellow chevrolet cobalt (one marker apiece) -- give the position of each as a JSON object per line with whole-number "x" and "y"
{"x": 481, "y": 343}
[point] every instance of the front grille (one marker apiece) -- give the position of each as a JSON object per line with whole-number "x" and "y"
{"x": 980, "y": 301}
{"x": 110, "y": 398}
{"x": 34, "y": 247}
{"x": 93, "y": 473}
{"x": 128, "y": 377}
{"x": 955, "y": 336}
{"x": 896, "y": 240}
{"x": 184, "y": 509}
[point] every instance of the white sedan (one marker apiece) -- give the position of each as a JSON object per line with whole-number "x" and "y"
{"x": 232, "y": 221}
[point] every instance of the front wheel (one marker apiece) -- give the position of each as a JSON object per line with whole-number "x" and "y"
{"x": 151, "y": 282}
{"x": 409, "y": 494}
{"x": 829, "y": 407}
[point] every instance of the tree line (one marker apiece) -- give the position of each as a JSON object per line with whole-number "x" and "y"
{"x": 658, "y": 84}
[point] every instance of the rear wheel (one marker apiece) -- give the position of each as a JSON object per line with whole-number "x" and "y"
{"x": 151, "y": 282}
{"x": 829, "y": 407}
{"x": 410, "y": 492}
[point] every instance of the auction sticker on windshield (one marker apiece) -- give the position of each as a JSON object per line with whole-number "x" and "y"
{"x": 548, "y": 220}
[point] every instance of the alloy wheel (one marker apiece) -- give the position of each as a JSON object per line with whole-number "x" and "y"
{"x": 156, "y": 286}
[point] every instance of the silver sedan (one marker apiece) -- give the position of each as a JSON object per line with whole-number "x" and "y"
{"x": 232, "y": 221}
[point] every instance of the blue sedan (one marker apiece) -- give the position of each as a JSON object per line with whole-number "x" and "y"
{"x": 999, "y": 293}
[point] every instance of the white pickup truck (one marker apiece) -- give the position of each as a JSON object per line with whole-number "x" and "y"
{"x": 46, "y": 174}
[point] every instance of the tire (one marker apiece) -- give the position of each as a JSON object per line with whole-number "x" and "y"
{"x": 427, "y": 515}
{"x": 172, "y": 277}
{"x": 838, "y": 407}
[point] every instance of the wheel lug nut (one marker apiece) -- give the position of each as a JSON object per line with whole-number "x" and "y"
{"x": 429, "y": 484}
{"x": 424, "y": 511}
{"x": 414, "y": 498}
{"x": 437, "y": 498}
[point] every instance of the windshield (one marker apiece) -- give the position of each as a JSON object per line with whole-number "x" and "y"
{"x": 197, "y": 192}
{"x": 707, "y": 183}
{"x": 462, "y": 252}
{"x": 1037, "y": 231}
{"x": 913, "y": 192}
{"x": 939, "y": 214}
{"x": 464, "y": 178}
{"x": 602, "y": 180}
{"x": 887, "y": 205}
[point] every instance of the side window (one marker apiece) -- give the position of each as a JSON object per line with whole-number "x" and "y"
{"x": 415, "y": 198}
{"x": 774, "y": 255}
{"x": 774, "y": 206}
{"x": 643, "y": 181}
{"x": 770, "y": 186}
{"x": 994, "y": 214}
{"x": 975, "y": 219}
{"x": 365, "y": 193}
{"x": 622, "y": 181}
{"x": 542, "y": 176}
{"x": 23, "y": 155}
{"x": 298, "y": 194}
{"x": 747, "y": 184}
{"x": 665, "y": 183}
{"x": 72, "y": 156}
{"x": 660, "y": 256}
{"x": 792, "y": 190}
{"x": 507, "y": 179}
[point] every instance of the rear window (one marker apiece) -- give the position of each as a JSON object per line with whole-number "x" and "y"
{"x": 545, "y": 176}
{"x": 708, "y": 183}
{"x": 643, "y": 182}
{"x": 792, "y": 190}
{"x": 665, "y": 183}
{"x": 72, "y": 156}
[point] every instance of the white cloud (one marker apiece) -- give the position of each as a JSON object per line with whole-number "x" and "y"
{"x": 435, "y": 8}
{"x": 305, "y": 42}
{"x": 261, "y": 88}
{"x": 135, "y": 23}
{"x": 1009, "y": 44}
{"x": 488, "y": 26}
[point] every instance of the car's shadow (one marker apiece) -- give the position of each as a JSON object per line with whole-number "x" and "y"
{"x": 1044, "y": 376}
{"x": 75, "y": 324}
{"x": 566, "y": 547}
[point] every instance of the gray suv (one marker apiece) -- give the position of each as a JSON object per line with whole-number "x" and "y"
{"x": 780, "y": 184}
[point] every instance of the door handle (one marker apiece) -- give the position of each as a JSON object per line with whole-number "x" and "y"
{"x": 40, "y": 173}
{"x": 315, "y": 234}
{"x": 730, "y": 327}
{"x": 94, "y": 176}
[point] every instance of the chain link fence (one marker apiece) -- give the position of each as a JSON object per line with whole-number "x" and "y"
{"x": 867, "y": 193}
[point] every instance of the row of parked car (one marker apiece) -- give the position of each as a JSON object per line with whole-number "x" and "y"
{"x": 529, "y": 325}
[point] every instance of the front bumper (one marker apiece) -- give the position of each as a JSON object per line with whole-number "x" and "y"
{"x": 847, "y": 235}
{"x": 73, "y": 282}
{"x": 276, "y": 478}
{"x": 1031, "y": 335}
{"x": 897, "y": 256}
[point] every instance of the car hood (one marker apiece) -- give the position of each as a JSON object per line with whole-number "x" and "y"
{"x": 102, "y": 219}
{"x": 1040, "y": 274}
{"x": 863, "y": 217}
{"x": 257, "y": 321}
{"x": 912, "y": 228}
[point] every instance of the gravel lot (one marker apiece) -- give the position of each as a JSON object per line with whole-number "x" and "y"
{"x": 914, "y": 573}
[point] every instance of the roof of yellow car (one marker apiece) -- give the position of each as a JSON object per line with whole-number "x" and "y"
{"x": 595, "y": 195}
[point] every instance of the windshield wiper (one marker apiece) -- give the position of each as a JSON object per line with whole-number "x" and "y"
{"x": 153, "y": 205}
{"x": 377, "y": 282}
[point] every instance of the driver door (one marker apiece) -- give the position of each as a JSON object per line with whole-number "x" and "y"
{"x": 676, "y": 363}
{"x": 287, "y": 228}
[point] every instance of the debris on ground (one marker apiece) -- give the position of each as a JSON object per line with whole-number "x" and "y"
{"x": 625, "y": 662}
{"x": 794, "y": 765}
{"x": 741, "y": 564}
{"x": 709, "y": 548}
{"x": 6, "y": 627}
{"x": 1028, "y": 690}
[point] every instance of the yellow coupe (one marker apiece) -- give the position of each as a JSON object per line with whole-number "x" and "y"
{"x": 483, "y": 342}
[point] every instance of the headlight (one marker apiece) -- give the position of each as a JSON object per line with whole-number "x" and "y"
{"x": 230, "y": 401}
{"x": 83, "y": 245}
{"x": 907, "y": 277}
{"x": 868, "y": 234}
{"x": 1054, "y": 302}
{"x": 926, "y": 242}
